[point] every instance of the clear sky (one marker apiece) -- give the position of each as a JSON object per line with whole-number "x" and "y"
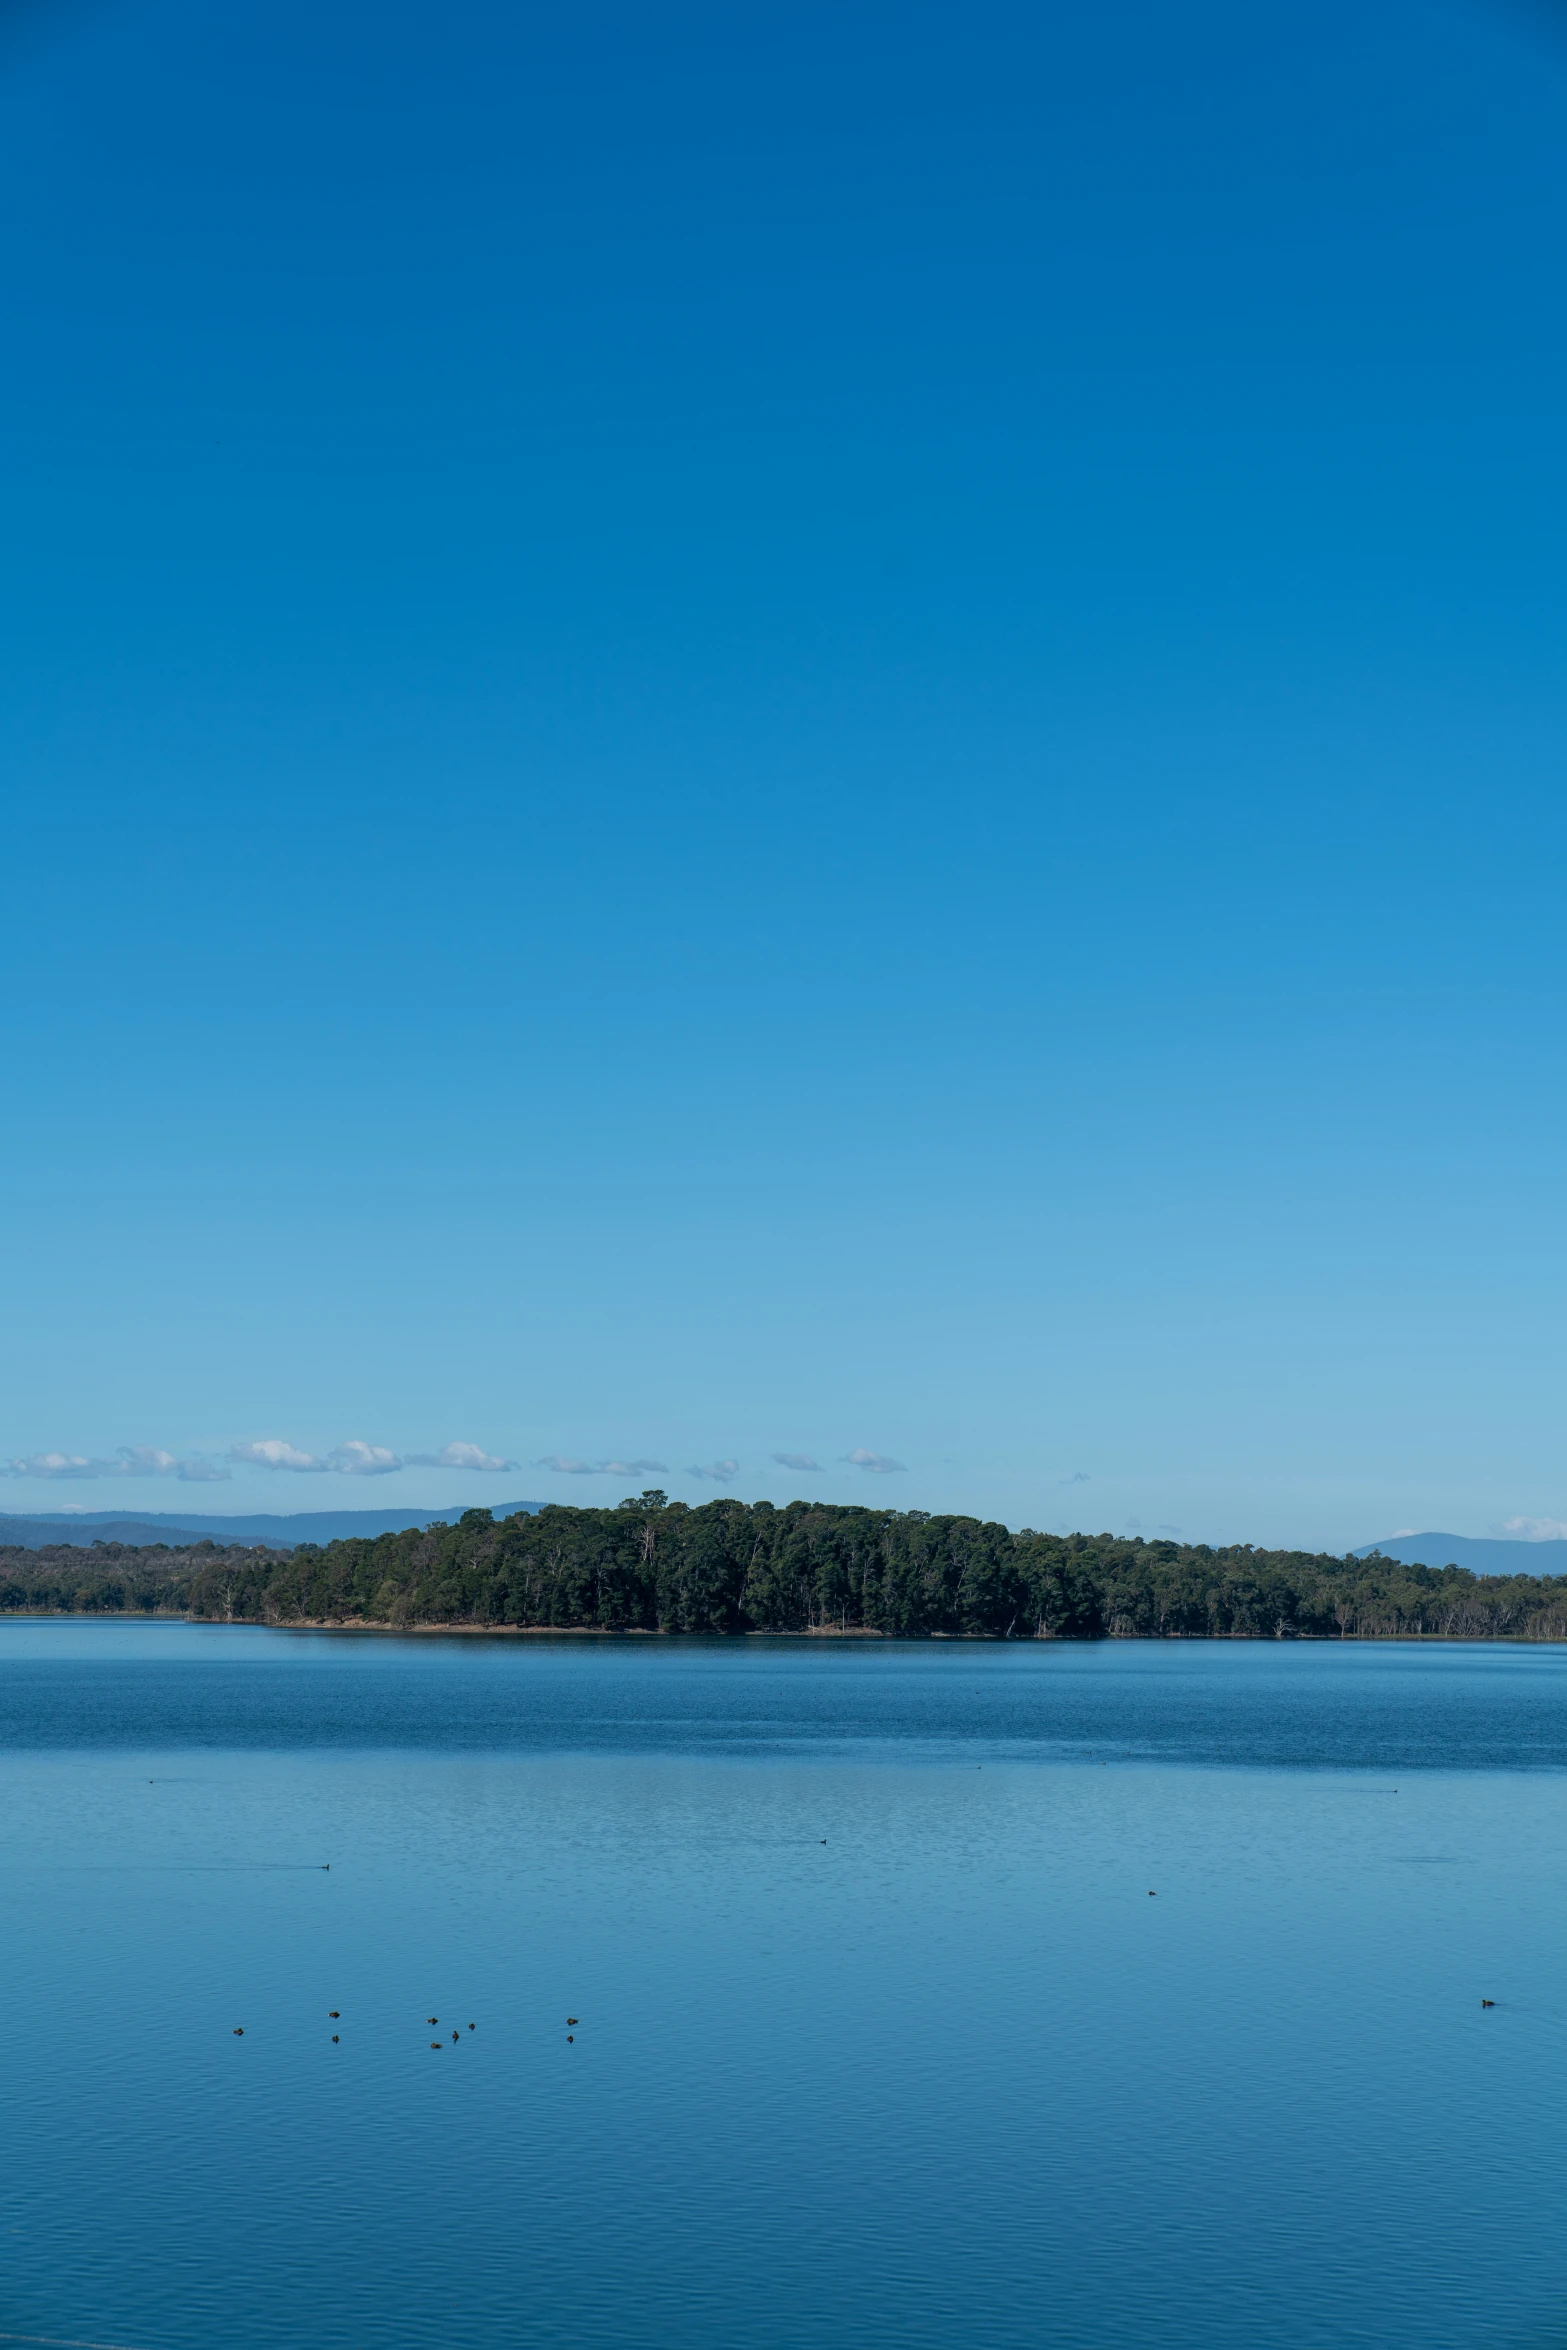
{"x": 788, "y": 730}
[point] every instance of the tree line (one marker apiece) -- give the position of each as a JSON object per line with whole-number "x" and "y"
{"x": 652, "y": 1565}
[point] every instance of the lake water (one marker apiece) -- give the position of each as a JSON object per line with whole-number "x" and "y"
{"x": 881, "y": 2039}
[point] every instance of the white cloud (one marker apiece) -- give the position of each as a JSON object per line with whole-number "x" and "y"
{"x": 270, "y": 1452}
{"x": 797, "y": 1460}
{"x": 131, "y": 1460}
{"x": 875, "y": 1464}
{"x": 564, "y": 1467}
{"x": 355, "y": 1459}
{"x": 1536, "y": 1529}
{"x": 458, "y": 1456}
{"x": 146, "y": 1460}
{"x": 716, "y": 1472}
{"x": 62, "y": 1464}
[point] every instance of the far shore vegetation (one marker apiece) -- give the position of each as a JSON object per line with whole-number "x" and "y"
{"x": 656, "y": 1566}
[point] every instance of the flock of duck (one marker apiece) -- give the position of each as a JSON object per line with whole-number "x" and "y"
{"x": 335, "y": 2015}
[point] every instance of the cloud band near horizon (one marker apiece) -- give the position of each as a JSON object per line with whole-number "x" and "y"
{"x": 353, "y": 1458}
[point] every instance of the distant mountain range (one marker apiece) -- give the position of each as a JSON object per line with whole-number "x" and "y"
{"x": 84, "y": 1527}
{"x": 1481, "y": 1557}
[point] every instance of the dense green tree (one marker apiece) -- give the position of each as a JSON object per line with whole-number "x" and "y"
{"x": 652, "y": 1565}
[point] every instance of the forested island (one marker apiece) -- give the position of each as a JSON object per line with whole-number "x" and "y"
{"x": 652, "y": 1565}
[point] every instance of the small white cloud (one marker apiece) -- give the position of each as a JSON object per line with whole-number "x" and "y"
{"x": 458, "y": 1456}
{"x": 798, "y": 1460}
{"x": 1535, "y": 1529}
{"x": 1164, "y": 1527}
{"x": 632, "y": 1468}
{"x": 875, "y": 1464}
{"x": 1134, "y": 1525}
{"x": 355, "y": 1459}
{"x": 717, "y": 1472}
{"x": 271, "y": 1452}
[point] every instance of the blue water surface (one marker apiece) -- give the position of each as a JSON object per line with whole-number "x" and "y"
{"x": 881, "y": 2038}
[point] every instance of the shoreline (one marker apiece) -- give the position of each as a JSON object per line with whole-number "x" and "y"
{"x": 380, "y": 1628}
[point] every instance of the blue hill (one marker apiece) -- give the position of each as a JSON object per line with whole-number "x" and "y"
{"x": 39, "y": 1531}
{"x": 1481, "y": 1556}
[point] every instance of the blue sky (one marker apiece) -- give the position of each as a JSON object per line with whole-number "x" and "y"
{"x": 827, "y": 732}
